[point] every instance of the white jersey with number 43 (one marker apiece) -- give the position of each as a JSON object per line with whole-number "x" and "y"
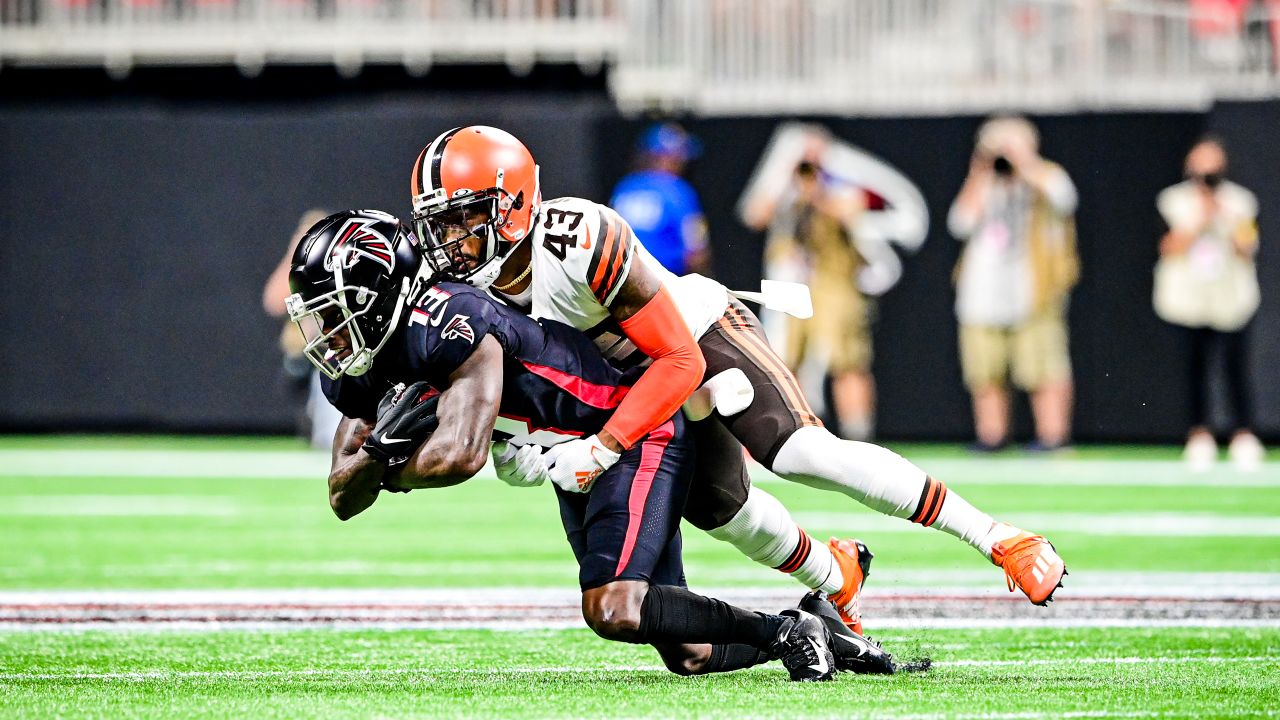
{"x": 583, "y": 252}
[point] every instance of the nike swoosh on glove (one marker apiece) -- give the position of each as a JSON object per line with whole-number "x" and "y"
{"x": 519, "y": 466}
{"x": 406, "y": 417}
{"x": 574, "y": 466}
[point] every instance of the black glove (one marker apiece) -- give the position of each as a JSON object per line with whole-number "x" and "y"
{"x": 406, "y": 416}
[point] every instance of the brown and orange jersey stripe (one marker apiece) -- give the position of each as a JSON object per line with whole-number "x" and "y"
{"x": 614, "y": 247}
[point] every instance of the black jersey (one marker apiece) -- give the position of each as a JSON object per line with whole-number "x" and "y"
{"x": 556, "y": 384}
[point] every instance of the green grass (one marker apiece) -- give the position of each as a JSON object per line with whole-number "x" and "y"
{"x": 86, "y": 531}
{"x": 125, "y": 513}
{"x": 1187, "y": 673}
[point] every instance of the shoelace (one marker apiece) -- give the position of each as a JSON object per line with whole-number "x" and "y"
{"x": 1020, "y": 546}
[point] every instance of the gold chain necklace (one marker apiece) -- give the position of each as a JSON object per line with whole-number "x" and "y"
{"x": 517, "y": 281}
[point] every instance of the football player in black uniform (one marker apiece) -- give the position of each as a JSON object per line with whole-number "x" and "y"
{"x": 422, "y": 372}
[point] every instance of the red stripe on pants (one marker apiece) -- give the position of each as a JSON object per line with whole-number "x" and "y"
{"x": 652, "y": 449}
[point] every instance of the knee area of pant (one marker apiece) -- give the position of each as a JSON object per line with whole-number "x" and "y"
{"x": 613, "y": 610}
{"x": 817, "y": 452}
{"x": 708, "y": 518}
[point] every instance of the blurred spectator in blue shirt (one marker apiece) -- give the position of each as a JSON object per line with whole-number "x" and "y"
{"x": 662, "y": 207}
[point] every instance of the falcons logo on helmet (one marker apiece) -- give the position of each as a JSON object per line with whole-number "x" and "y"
{"x": 357, "y": 239}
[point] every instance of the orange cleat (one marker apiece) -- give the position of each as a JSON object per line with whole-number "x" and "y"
{"x": 1030, "y": 563}
{"x": 854, "y": 560}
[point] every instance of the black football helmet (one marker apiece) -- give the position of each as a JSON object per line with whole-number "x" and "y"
{"x": 352, "y": 275}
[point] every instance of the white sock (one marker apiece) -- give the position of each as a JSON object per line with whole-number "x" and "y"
{"x": 999, "y": 531}
{"x": 764, "y": 531}
{"x": 883, "y": 481}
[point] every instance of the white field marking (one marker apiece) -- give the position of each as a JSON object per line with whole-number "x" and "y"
{"x": 136, "y": 462}
{"x": 1112, "y": 524}
{"x": 120, "y": 505}
{"x": 971, "y": 623}
{"x": 185, "y": 569}
{"x": 1205, "y": 586}
{"x": 1032, "y": 715}
{"x": 147, "y": 675}
{"x": 1176, "y": 660}
{"x": 19, "y": 463}
{"x": 984, "y": 579}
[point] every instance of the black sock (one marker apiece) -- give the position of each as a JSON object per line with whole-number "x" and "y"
{"x": 672, "y": 614}
{"x": 725, "y": 658}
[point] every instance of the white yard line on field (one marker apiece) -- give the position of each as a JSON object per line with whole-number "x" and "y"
{"x": 517, "y": 625}
{"x": 19, "y": 463}
{"x": 143, "y": 463}
{"x": 180, "y": 505}
{"x": 1143, "y": 586}
{"x": 1167, "y": 524}
{"x": 1148, "y": 586}
{"x": 241, "y": 675}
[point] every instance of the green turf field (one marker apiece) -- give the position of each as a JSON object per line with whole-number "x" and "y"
{"x": 570, "y": 673}
{"x": 161, "y": 514}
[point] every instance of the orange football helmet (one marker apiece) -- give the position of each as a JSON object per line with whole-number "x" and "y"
{"x": 474, "y": 181}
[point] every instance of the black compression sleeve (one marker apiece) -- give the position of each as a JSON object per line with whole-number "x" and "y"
{"x": 672, "y": 614}
{"x": 725, "y": 658}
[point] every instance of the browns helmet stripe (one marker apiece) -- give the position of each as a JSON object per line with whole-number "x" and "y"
{"x": 415, "y": 180}
{"x": 431, "y": 161}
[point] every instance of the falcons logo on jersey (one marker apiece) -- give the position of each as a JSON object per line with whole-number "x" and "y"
{"x": 457, "y": 327}
{"x": 358, "y": 239}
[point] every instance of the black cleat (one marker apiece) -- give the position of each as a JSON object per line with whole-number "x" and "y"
{"x": 804, "y": 646}
{"x": 853, "y": 652}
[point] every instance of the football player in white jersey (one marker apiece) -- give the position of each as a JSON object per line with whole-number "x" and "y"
{"x": 479, "y": 213}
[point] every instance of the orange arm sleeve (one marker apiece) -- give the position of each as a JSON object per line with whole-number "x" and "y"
{"x": 658, "y": 330}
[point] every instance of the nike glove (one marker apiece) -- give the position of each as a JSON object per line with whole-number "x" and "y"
{"x": 406, "y": 417}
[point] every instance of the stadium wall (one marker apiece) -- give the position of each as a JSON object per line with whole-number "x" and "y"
{"x": 137, "y": 234}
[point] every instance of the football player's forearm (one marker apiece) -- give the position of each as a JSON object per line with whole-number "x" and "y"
{"x": 467, "y": 411}
{"x": 353, "y": 486}
{"x": 659, "y": 331}
{"x": 441, "y": 462}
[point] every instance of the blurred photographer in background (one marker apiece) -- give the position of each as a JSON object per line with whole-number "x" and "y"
{"x": 1015, "y": 214}
{"x": 812, "y": 240}
{"x": 1207, "y": 284}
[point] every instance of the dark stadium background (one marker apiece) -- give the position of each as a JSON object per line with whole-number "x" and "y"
{"x": 140, "y": 218}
